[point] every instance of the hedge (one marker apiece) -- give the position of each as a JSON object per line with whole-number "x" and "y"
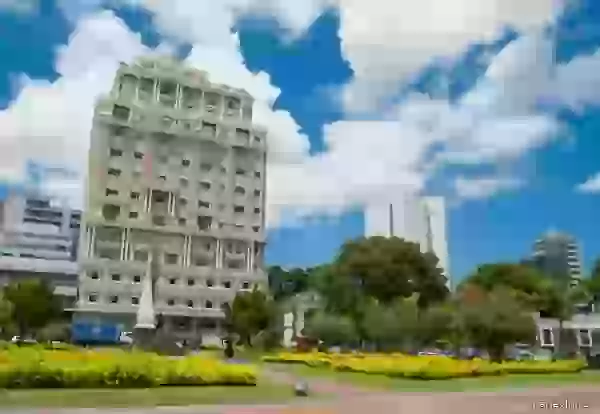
{"x": 36, "y": 367}
{"x": 423, "y": 367}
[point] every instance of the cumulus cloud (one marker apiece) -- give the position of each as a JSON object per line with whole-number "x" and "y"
{"x": 591, "y": 185}
{"x": 484, "y": 187}
{"x": 387, "y": 42}
{"x": 497, "y": 121}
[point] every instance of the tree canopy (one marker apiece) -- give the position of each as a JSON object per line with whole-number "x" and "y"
{"x": 33, "y": 304}
{"x": 390, "y": 268}
{"x": 332, "y": 329}
{"x": 250, "y": 314}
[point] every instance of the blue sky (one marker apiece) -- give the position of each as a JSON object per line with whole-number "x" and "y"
{"x": 529, "y": 192}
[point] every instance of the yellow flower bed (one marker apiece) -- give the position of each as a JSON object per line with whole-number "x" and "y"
{"x": 423, "y": 367}
{"x": 78, "y": 368}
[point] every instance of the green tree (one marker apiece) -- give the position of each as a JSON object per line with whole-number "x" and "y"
{"x": 34, "y": 305}
{"x": 496, "y": 322}
{"x": 526, "y": 283}
{"x": 390, "y": 268}
{"x": 392, "y": 326}
{"x": 251, "y": 313}
{"x": 332, "y": 329}
{"x": 592, "y": 283}
{"x": 6, "y": 315}
{"x": 437, "y": 323}
{"x": 286, "y": 283}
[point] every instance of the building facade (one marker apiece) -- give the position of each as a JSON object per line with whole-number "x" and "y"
{"x": 558, "y": 255}
{"x": 39, "y": 238}
{"x": 417, "y": 219}
{"x": 177, "y": 169}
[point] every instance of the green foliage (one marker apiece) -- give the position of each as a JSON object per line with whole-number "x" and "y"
{"x": 76, "y": 368}
{"x": 391, "y": 268}
{"x": 332, "y": 329}
{"x": 251, "y": 313}
{"x": 6, "y": 314}
{"x": 285, "y": 284}
{"x": 33, "y": 304}
{"x": 392, "y": 326}
{"x": 498, "y": 321}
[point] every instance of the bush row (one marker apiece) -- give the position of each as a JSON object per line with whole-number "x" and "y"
{"x": 424, "y": 367}
{"x": 40, "y": 368}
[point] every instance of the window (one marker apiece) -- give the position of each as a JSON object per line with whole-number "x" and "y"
{"x": 171, "y": 258}
{"x": 93, "y": 298}
{"x": 204, "y": 222}
{"x": 210, "y": 283}
{"x": 121, "y": 112}
{"x": 246, "y": 285}
{"x": 240, "y": 171}
{"x": 140, "y": 256}
{"x": 243, "y": 134}
{"x": 185, "y": 162}
{"x": 227, "y": 285}
{"x": 203, "y": 204}
{"x": 137, "y": 279}
{"x": 238, "y": 209}
{"x": 111, "y": 192}
{"x": 239, "y": 190}
{"x": 183, "y": 201}
{"x": 172, "y": 281}
{"x": 209, "y": 128}
{"x": 256, "y": 210}
{"x": 159, "y": 220}
{"x": 256, "y": 193}
{"x": 205, "y": 185}
{"x": 171, "y": 302}
{"x": 114, "y": 299}
{"x": 94, "y": 276}
{"x": 190, "y": 303}
{"x": 183, "y": 182}
{"x": 133, "y": 214}
{"x": 233, "y": 104}
{"x": 115, "y": 152}
{"x": 191, "y": 282}
{"x": 205, "y": 167}
{"x": 584, "y": 338}
{"x": 257, "y": 174}
{"x": 547, "y": 337}
{"x": 110, "y": 211}
{"x": 223, "y": 169}
{"x": 115, "y": 172}
{"x": 138, "y": 155}
{"x": 135, "y": 300}
{"x": 256, "y": 229}
{"x": 134, "y": 195}
{"x": 209, "y": 304}
{"x": 182, "y": 221}
{"x": 116, "y": 277}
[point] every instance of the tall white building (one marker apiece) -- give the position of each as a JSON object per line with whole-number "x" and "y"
{"x": 177, "y": 169}
{"x": 417, "y": 219}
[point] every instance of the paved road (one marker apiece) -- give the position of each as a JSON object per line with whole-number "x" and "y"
{"x": 582, "y": 399}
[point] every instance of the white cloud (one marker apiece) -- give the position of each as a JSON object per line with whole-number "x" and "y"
{"x": 578, "y": 82}
{"x": 496, "y": 121}
{"x": 387, "y": 42}
{"x": 484, "y": 187}
{"x": 591, "y": 185}
{"x": 51, "y": 122}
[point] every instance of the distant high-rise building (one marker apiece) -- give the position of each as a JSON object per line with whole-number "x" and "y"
{"x": 558, "y": 256}
{"x": 417, "y": 219}
{"x": 177, "y": 171}
{"x": 39, "y": 238}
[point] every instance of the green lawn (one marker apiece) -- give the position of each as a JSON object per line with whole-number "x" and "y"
{"x": 462, "y": 384}
{"x": 164, "y": 396}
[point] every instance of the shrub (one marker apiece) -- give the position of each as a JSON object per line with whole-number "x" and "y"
{"x": 423, "y": 367}
{"x": 37, "y": 367}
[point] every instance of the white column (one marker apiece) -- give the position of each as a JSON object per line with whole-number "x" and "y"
{"x": 218, "y": 255}
{"x": 122, "y": 251}
{"x": 252, "y": 253}
{"x": 93, "y": 242}
{"x": 149, "y": 200}
{"x": 249, "y": 259}
{"x": 189, "y": 252}
{"x": 127, "y": 244}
